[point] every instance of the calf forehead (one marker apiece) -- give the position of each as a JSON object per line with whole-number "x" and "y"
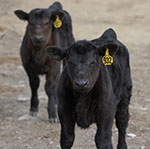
{"x": 83, "y": 53}
{"x": 86, "y": 57}
{"x": 38, "y": 15}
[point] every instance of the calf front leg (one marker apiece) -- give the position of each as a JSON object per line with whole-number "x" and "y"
{"x": 34, "y": 82}
{"x": 50, "y": 89}
{"x": 67, "y": 128}
{"x": 103, "y": 138}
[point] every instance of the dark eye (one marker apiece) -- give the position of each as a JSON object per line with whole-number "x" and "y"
{"x": 47, "y": 23}
{"x": 92, "y": 63}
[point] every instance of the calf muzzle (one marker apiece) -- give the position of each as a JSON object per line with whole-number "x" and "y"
{"x": 81, "y": 83}
{"x": 38, "y": 39}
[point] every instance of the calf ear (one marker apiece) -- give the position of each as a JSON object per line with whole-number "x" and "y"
{"x": 56, "y": 52}
{"x": 21, "y": 15}
{"x": 57, "y": 13}
{"x": 113, "y": 48}
{"x": 55, "y": 6}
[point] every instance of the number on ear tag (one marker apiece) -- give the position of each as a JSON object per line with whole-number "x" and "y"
{"x": 107, "y": 59}
{"x": 58, "y": 22}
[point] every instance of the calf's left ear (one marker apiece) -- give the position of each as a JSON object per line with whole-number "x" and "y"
{"x": 57, "y": 13}
{"x": 113, "y": 48}
{"x": 54, "y": 13}
{"x": 56, "y": 52}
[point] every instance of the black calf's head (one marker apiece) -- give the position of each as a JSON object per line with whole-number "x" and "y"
{"x": 83, "y": 65}
{"x": 40, "y": 23}
{"x": 83, "y": 62}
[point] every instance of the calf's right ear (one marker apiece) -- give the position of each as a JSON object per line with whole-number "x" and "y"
{"x": 21, "y": 14}
{"x": 56, "y": 52}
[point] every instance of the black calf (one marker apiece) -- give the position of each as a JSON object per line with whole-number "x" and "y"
{"x": 40, "y": 33}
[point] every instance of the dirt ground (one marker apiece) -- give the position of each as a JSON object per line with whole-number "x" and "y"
{"x": 131, "y": 21}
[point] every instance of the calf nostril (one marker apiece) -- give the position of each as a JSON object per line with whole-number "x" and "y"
{"x": 77, "y": 84}
{"x": 85, "y": 83}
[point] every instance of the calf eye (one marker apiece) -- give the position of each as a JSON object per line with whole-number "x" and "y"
{"x": 46, "y": 23}
{"x": 92, "y": 63}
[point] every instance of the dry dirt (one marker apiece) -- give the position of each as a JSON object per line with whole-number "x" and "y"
{"x": 131, "y": 21}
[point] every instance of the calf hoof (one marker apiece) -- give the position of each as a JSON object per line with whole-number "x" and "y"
{"x": 33, "y": 113}
{"x": 121, "y": 146}
{"x": 53, "y": 120}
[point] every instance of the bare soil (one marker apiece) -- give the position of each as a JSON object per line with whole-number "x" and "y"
{"x": 131, "y": 21}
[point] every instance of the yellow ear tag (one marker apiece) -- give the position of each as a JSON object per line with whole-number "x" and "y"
{"x": 107, "y": 59}
{"x": 58, "y": 22}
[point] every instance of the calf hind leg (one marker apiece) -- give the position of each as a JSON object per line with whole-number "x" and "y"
{"x": 122, "y": 118}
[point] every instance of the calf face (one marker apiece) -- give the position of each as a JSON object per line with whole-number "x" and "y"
{"x": 83, "y": 62}
{"x": 40, "y": 23}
